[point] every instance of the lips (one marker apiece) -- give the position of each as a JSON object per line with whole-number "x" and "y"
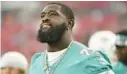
{"x": 46, "y": 26}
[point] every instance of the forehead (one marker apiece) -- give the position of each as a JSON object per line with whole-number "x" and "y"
{"x": 52, "y": 7}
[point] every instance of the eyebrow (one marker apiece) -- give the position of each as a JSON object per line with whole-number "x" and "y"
{"x": 49, "y": 12}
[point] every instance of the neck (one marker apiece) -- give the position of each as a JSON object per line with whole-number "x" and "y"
{"x": 60, "y": 45}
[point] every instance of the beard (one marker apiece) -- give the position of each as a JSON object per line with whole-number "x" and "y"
{"x": 51, "y": 35}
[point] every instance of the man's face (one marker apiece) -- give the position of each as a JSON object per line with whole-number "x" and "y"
{"x": 53, "y": 25}
{"x": 8, "y": 70}
{"x": 5, "y": 70}
{"x": 17, "y": 71}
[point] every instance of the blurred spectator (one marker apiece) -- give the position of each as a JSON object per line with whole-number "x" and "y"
{"x": 13, "y": 63}
{"x": 121, "y": 50}
{"x": 103, "y": 40}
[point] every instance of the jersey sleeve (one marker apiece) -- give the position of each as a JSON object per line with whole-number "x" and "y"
{"x": 34, "y": 57}
{"x": 97, "y": 62}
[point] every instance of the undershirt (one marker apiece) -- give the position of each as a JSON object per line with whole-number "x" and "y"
{"x": 54, "y": 56}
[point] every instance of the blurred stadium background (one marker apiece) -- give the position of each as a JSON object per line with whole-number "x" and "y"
{"x": 20, "y": 22}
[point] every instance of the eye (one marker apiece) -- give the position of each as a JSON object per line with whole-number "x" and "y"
{"x": 42, "y": 15}
{"x": 53, "y": 14}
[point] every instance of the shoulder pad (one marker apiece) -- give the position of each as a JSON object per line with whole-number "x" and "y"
{"x": 97, "y": 62}
{"x": 86, "y": 51}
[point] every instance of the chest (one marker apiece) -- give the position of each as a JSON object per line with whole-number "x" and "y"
{"x": 64, "y": 69}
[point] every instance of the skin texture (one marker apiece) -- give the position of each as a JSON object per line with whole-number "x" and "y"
{"x": 8, "y": 70}
{"x": 122, "y": 54}
{"x": 5, "y": 70}
{"x": 56, "y": 26}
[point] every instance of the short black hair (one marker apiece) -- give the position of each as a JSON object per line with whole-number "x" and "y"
{"x": 121, "y": 39}
{"x": 123, "y": 32}
{"x": 66, "y": 10}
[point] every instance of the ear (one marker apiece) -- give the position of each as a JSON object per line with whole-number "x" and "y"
{"x": 70, "y": 23}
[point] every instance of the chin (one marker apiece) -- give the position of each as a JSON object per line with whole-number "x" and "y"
{"x": 51, "y": 35}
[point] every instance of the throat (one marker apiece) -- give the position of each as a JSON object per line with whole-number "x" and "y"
{"x": 58, "y": 46}
{"x": 56, "y": 55}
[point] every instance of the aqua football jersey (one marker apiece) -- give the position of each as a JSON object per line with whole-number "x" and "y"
{"x": 73, "y": 62}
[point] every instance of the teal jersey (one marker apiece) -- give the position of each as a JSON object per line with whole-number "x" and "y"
{"x": 120, "y": 68}
{"x": 73, "y": 62}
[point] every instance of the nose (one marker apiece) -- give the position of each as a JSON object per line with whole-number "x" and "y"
{"x": 45, "y": 19}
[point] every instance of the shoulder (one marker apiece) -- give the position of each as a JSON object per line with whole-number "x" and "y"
{"x": 79, "y": 44}
{"x": 91, "y": 54}
{"x": 35, "y": 57}
{"x": 97, "y": 62}
{"x": 97, "y": 55}
{"x": 34, "y": 63}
